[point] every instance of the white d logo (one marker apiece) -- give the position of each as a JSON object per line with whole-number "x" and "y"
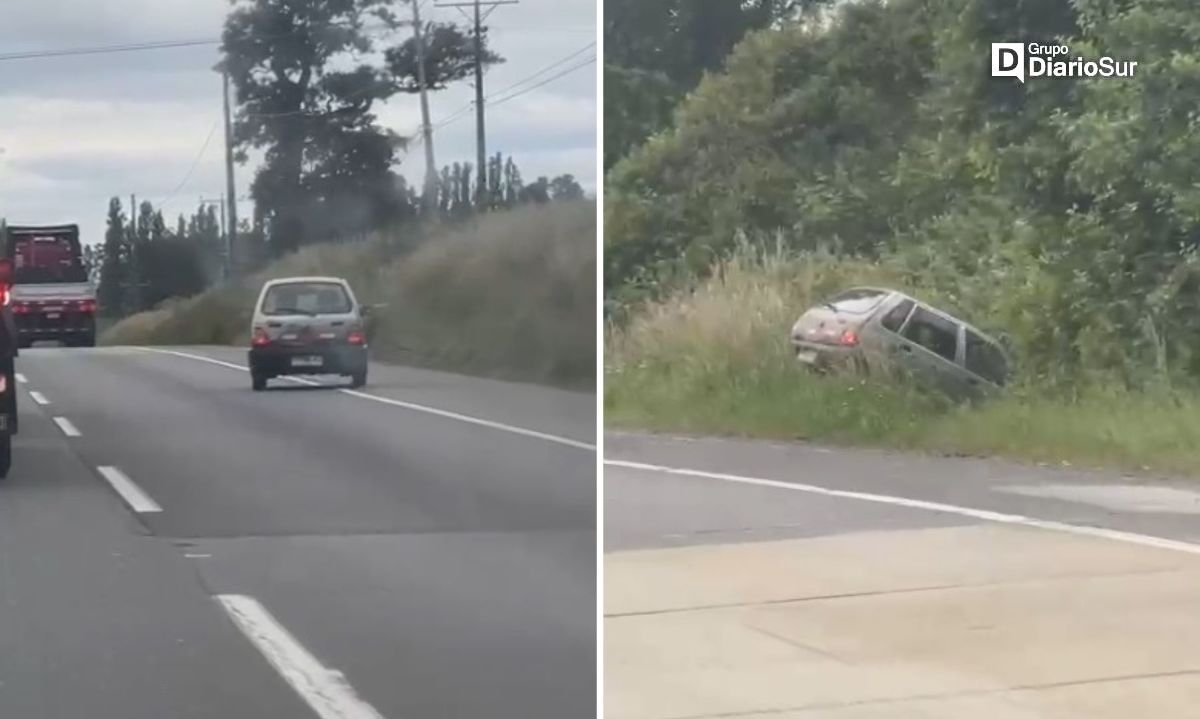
{"x": 1008, "y": 60}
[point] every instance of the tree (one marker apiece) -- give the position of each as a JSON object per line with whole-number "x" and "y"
{"x": 565, "y": 187}
{"x": 538, "y": 192}
{"x": 114, "y": 270}
{"x": 656, "y": 52}
{"x": 327, "y": 162}
{"x": 449, "y": 58}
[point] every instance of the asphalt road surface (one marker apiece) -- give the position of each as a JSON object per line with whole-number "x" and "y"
{"x": 173, "y": 544}
{"x": 785, "y": 581}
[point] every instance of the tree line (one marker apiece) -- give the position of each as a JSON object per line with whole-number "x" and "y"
{"x": 1062, "y": 211}
{"x": 145, "y": 260}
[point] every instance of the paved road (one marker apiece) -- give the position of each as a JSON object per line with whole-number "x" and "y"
{"x": 173, "y": 544}
{"x": 754, "y": 579}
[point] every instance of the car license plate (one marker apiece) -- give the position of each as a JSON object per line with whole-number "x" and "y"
{"x": 307, "y": 361}
{"x": 53, "y": 315}
{"x": 807, "y": 356}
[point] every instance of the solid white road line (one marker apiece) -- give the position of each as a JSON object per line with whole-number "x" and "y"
{"x": 983, "y": 514}
{"x": 39, "y": 398}
{"x": 133, "y": 495}
{"x": 397, "y": 403}
{"x": 325, "y": 690}
{"x": 21, "y": 378}
{"x": 67, "y": 428}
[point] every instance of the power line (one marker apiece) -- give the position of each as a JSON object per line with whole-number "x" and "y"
{"x": 104, "y": 50}
{"x": 195, "y": 164}
{"x": 545, "y": 82}
{"x": 374, "y": 29}
{"x": 457, "y": 114}
{"x": 544, "y": 70}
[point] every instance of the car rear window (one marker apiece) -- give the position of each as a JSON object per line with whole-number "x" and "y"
{"x": 985, "y": 359}
{"x": 936, "y": 334}
{"x": 46, "y": 259}
{"x": 857, "y": 301}
{"x": 894, "y": 319}
{"x": 322, "y": 298}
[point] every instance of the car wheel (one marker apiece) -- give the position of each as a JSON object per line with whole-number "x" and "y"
{"x": 258, "y": 381}
{"x": 358, "y": 379}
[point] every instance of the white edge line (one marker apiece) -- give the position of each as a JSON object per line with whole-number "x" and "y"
{"x": 398, "y": 403}
{"x": 138, "y": 500}
{"x": 982, "y": 514}
{"x": 21, "y": 378}
{"x": 326, "y": 691}
{"x": 39, "y": 398}
{"x": 67, "y": 428}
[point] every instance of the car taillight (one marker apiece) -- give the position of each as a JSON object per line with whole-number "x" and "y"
{"x": 260, "y": 338}
{"x": 849, "y": 338}
{"x": 87, "y": 306}
{"x": 356, "y": 338}
{"x": 21, "y": 308}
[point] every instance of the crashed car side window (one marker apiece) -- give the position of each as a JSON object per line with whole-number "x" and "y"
{"x": 936, "y": 334}
{"x": 894, "y": 319}
{"x": 985, "y": 359}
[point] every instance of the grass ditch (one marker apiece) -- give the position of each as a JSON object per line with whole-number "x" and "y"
{"x": 716, "y": 360}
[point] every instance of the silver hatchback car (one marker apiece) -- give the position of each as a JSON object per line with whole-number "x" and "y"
{"x": 310, "y": 326}
{"x": 873, "y": 329}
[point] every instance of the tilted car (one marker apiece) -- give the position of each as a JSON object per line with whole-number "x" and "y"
{"x": 878, "y": 330}
{"x": 308, "y": 326}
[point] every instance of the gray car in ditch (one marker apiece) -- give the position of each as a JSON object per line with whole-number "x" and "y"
{"x": 880, "y": 330}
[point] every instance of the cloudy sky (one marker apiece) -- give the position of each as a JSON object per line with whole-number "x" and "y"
{"x": 75, "y": 131}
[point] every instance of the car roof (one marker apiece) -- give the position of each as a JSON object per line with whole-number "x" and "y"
{"x": 291, "y": 280}
{"x": 950, "y": 315}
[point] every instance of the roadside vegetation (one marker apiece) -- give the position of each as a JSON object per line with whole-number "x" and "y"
{"x": 867, "y": 144}
{"x": 507, "y": 294}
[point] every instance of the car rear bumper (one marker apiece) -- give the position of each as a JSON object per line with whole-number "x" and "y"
{"x": 282, "y": 360}
{"x": 42, "y": 326}
{"x": 822, "y": 356}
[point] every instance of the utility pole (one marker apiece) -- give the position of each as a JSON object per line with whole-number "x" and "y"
{"x": 426, "y": 126}
{"x": 231, "y": 228}
{"x": 480, "y": 132}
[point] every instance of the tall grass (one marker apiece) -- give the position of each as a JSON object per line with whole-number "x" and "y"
{"x": 717, "y": 359}
{"x": 510, "y": 295}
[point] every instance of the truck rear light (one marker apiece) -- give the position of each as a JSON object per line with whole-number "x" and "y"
{"x": 260, "y": 338}
{"x": 356, "y": 338}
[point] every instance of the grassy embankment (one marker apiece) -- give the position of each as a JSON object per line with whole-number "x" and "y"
{"x": 511, "y": 296}
{"x": 717, "y": 361}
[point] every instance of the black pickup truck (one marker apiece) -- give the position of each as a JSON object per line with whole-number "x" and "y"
{"x": 9, "y": 343}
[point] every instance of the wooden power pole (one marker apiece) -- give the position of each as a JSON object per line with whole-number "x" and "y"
{"x": 480, "y": 120}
